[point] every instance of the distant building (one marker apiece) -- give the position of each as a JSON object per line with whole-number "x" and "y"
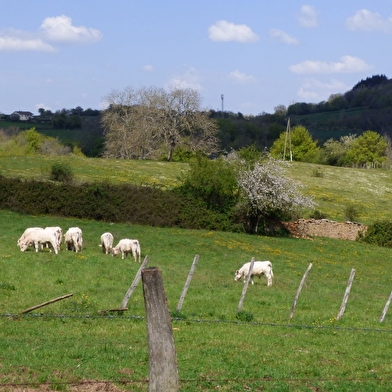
{"x": 21, "y": 116}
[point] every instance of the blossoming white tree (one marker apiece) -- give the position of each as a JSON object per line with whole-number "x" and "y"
{"x": 267, "y": 193}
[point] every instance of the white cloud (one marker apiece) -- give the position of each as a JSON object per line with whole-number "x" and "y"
{"x": 189, "y": 79}
{"x": 14, "y": 43}
{"x": 366, "y": 20}
{"x": 347, "y": 64}
{"x": 308, "y": 16}
{"x": 227, "y": 31}
{"x": 60, "y": 29}
{"x": 241, "y": 78}
{"x": 53, "y": 29}
{"x": 313, "y": 90}
{"x": 283, "y": 37}
{"x": 148, "y": 68}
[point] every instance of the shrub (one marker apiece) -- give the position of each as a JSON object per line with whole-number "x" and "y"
{"x": 351, "y": 213}
{"x": 61, "y": 172}
{"x": 380, "y": 233}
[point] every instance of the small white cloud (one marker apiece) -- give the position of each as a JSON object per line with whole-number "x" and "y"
{"x": 308, "y": 16}
{"x": 227, "y": 31}
{"x": 365, "y": 20}
{"x": 14, "y": 43}
{"x": 189, "y": 79}
{"x": 60, "y": 29}
{"x": 241, "y": 78}
{"x": 41, "y": 105}
{"x": 283, "y": 37}
{"x": 148, "y": 68}
{"x": 313, "y": 90}
{"x": 347, "y": 64}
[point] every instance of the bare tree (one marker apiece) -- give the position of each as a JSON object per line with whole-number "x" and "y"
{"x": 140, "y": 123}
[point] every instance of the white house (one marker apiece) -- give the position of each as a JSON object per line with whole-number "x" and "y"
{"x": 21, "y": 116}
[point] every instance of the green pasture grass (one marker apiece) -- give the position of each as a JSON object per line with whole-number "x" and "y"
{"x": 333, "y": 188}
{"x": 154, "y": 173}
{"x": 72, "y": 341}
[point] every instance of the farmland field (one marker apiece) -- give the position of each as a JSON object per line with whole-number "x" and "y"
{"x": 72, "y": 342}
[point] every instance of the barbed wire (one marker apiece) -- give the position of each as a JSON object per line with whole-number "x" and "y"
{"x": 197, "y": 321}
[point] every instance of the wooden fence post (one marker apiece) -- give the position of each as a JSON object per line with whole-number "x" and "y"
{"x": 346, "y": 294}
{"x": 299, "y": 290}
{"x": 384, "y": 312}
{"x": 135, "y": 282}
{"x": 163, "y": 373}
{"x": 187, "y": 283}
{"x": 245, "y": 288}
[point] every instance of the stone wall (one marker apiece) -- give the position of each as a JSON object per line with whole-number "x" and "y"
{"x": 305, "y": 228}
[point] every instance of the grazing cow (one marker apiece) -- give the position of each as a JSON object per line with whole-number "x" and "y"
{"x": 58, "y": 232}
{"x": 26, "y": 234}
{"x": 39, "y": 237}
{"x": 127, "y": 246}
{"x": 73, "y": 239}
{"x": 106, "y": 242}
{"x": 259, "y": 268}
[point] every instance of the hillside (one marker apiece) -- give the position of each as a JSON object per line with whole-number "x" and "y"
{"x": 333, "y": 188}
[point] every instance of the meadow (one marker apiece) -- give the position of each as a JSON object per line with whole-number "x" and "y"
{"x": 76, "y": 343}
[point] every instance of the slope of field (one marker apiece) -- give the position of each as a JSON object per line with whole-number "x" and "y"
{"x": 70, "y": 345}
{"x": 333, "y": 188}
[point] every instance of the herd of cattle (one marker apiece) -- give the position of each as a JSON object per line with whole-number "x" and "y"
{"x": 52, "y": 238}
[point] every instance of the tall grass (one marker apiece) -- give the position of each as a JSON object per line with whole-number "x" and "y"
{"x": 72, "y": 341}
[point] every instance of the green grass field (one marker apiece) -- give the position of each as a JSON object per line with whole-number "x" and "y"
{"x": 333, "y": 188}
{"x": 71, "y": 341}
{"x": 73, "y": 345}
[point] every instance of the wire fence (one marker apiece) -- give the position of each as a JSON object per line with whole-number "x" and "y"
{"x": 203, "y": 383}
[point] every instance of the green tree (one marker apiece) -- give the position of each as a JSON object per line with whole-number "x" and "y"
{"x": 303, "y": 147}
{"x": 369, "y": 148}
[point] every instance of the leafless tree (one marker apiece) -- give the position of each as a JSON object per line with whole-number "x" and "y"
{"x": 139, "y": 123}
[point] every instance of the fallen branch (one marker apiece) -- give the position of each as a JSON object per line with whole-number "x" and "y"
{"x": 46, "y": 303}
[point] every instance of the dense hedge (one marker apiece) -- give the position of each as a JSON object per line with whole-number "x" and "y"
{"x": 132, "y": 204}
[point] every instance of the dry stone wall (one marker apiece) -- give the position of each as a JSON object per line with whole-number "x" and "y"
{"x": 306, "y": 228}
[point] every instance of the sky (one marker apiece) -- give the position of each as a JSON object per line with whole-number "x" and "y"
{"x": 247, "y": 56}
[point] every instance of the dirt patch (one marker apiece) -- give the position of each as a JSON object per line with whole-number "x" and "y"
{"x": 307, "y": 228}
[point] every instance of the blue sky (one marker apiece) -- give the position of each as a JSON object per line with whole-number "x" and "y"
{"x": 259, "y": 54}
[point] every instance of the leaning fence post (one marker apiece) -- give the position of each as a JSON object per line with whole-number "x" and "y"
{"x": 187, "y": 283}
{"x": 346, "y": 294}
{"x": 245, "y": 288}
{"x": 135, "y": 282}
{"x": 384, "y": 312}
{"x": 163, "y": 373}
{"x": 299, "y": 290}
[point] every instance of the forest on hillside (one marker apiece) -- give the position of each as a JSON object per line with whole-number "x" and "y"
{"x": 367, "y": 106}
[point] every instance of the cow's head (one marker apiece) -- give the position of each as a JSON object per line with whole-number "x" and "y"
{"x": 23, "y": 245}
{"x": 115, "y": 251}
{"x": 237, "y": 275}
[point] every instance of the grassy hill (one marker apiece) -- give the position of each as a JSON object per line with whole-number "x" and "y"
{"x": 72, "y": 345}
{"x": 333, "y": 188}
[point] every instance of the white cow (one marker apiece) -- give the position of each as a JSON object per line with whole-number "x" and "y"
{"x": 259, "y": 268}
{"x": 73, "y": 239}
{"x": 26, "y": 234}
{"x": 106, "y": 242}
{"x": 39, "y": 237}
{"x": 58, "y": 232}
{"x": 127, "y": 246}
